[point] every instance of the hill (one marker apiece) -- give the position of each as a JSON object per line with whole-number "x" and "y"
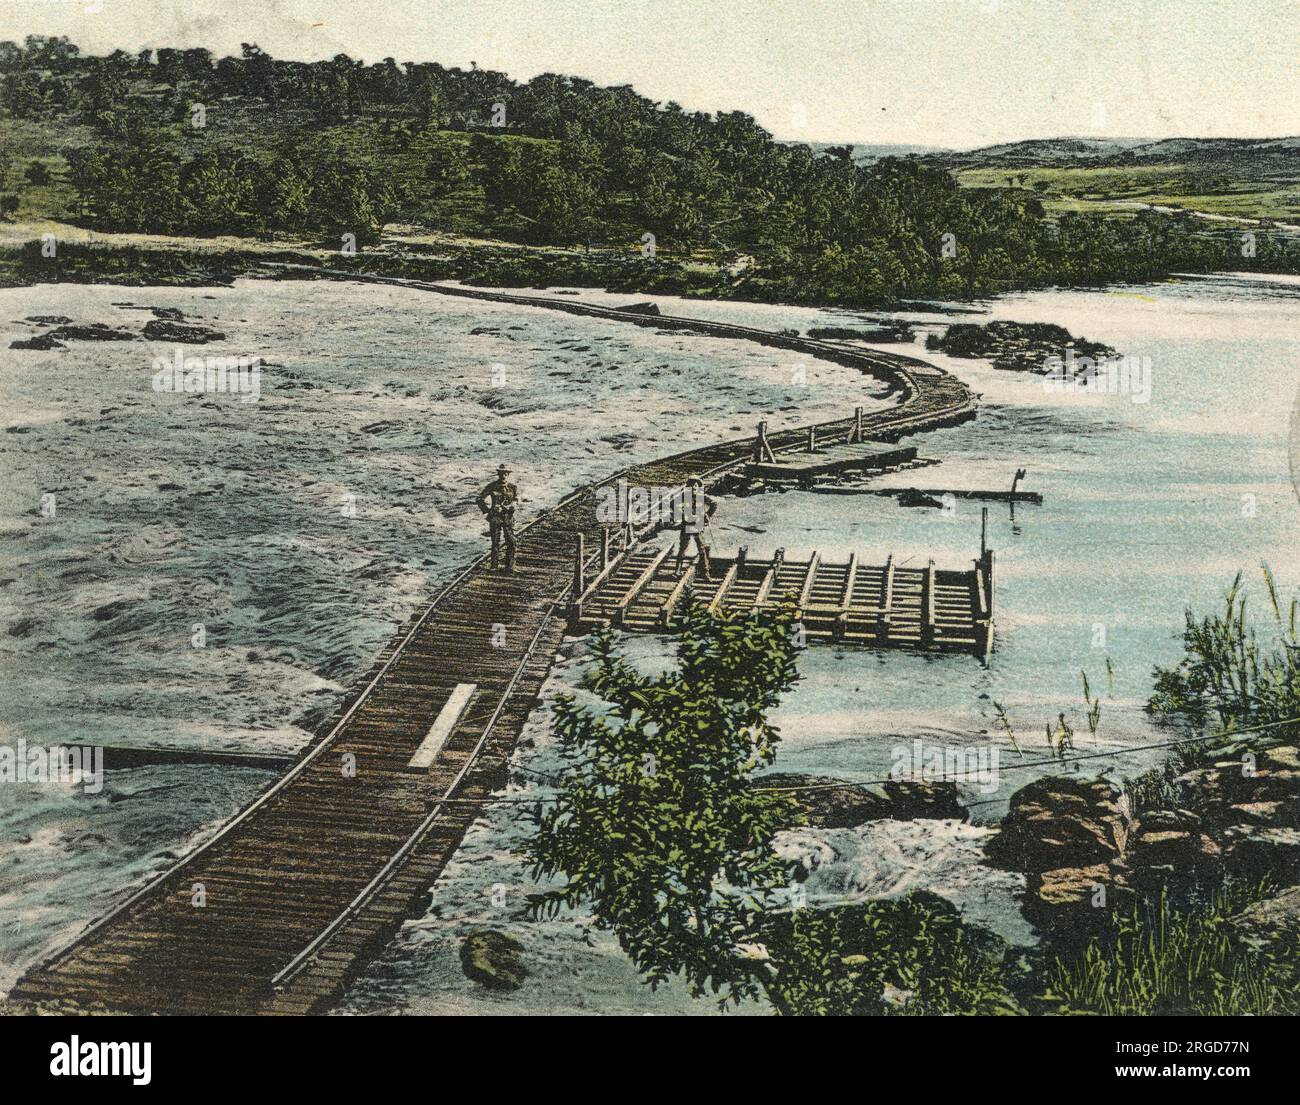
{"x": 399, "y": 158}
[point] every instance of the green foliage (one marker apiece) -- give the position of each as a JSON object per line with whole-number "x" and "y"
{"x": 1229, "y": 677}
{"x": 908, "y": 956}
{"x": 1161, "y": 960}
{"x": 655, "y": 824}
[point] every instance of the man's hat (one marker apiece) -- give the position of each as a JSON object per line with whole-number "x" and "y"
{"x": 502, "y": 470}
{"x": 695, "y": 480}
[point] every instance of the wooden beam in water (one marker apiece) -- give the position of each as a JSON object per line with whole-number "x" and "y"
{"x": 119, "y": 757}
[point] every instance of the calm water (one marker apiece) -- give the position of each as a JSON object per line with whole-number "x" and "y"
{"x": 177, "y": 510}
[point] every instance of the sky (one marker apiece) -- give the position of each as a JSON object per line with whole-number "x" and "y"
{"x": 950, "y": 73}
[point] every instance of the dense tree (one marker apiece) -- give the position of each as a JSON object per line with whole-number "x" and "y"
{"x": 559, "y": 160}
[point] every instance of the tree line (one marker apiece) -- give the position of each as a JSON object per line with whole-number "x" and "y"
{"x": 339, "y": 146}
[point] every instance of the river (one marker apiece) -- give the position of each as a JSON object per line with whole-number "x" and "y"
{"x": 299, "y": 530}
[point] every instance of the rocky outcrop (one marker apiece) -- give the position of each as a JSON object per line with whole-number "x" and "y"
{"x": 55, "y": 339}
{"x": 494, "y": 959}
{"x": 1060, "y": 821}
{"x": 188, "y": 333}
{"x": 646, "y": 308}
{"x": 1016, "y": 346}
{"x": 1273, "y": 922}
{"x": 889, "y": 332}
{"x": 1238, "y": 817}
{"x": 831, "y": 803}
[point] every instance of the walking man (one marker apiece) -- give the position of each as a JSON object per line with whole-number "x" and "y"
{"x": 697, "y": 509}
{"x": 497, "y": 501}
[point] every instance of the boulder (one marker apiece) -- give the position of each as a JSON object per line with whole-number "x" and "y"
{"x": 1060, "y": 822}
{"x": 55, "y": 339}
{"x": 1253, "y": 853}
{"x": 1076, "y": 899}
{"x": 837, "y": 805}
{"x": 494, "y": 959}
{"x": 38, "y": 341}
{"x": 1168, "y": 839}
{"x": 188, "y": 333}
{"x": 640, "y": 308}
{"x": 1271, "y": 922}
{"x": 90, "y": 331}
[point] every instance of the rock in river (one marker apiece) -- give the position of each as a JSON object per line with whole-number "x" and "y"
{"x": 493, "y": 959}
{"x": 1057, "y": 822}
{"x": 190, "y": 333}
{"x": 835, "y": 804}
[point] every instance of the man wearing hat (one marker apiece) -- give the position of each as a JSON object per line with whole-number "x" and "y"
{"x": 697, "y": 509}
{"x": 497, "y": 501}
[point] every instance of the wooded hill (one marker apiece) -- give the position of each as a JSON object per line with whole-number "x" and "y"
{"x": 181, "y": 142}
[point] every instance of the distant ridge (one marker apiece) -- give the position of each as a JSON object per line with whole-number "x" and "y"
{"x": 1124, "y": 151}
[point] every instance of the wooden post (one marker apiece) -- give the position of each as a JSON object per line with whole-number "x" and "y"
{"x": 927, "y": 607}
{"x": 855, "y": 434}
{"x": 604, "y": 547}
{"x": 984, "y": 631}
{"x": 812, "y": 439}
{"x": 984, "y": 530}
{"x": 741, "y": 554}
{"x": 886, "y": 603}
{"x": 579, "y": 569}
{"x": 762, "y": 450}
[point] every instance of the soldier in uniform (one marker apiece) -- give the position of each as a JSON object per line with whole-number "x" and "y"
{"x": 697, "y": 509}
{"x": 497, "y": 501}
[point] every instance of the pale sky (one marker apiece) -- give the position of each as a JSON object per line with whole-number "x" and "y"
{"x": 957, "y": 73}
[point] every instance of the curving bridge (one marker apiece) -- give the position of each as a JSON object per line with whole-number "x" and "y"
{"x": 296, "y": 894}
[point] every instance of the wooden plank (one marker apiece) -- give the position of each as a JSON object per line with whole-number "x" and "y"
{"x": 846, "y": 598}
{"x": 927, "y": 606}
{"x": 118, "y": 757}
{"x": 638, "y": 585}
{"x": 727, "y": 581}
{"x": 442, "y": 726}
{"x": 837, "y": 458}
{"x": 806, "y": 590}
{"x": 669, "y": 604}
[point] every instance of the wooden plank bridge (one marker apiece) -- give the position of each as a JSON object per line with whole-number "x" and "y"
{"x": 926, "y": 608}
{"x": 290, "y": 900}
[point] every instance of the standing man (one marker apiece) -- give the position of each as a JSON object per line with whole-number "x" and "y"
{"x": 697, "y": 509}
{"x": 497, "y": 501}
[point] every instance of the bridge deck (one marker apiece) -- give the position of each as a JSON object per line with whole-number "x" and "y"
{"x": 291, "y": 899}
{"x": 825, "y": 461}
{"x": 878, "y": 606}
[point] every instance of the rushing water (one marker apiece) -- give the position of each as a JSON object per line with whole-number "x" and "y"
{"x": 301, "y": 529}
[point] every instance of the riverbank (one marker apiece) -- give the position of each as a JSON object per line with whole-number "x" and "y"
{"x": 47, "y": 251}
